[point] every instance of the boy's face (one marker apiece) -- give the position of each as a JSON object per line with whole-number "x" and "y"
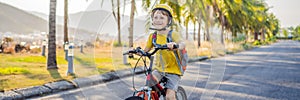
{"x": 160, "y": 20}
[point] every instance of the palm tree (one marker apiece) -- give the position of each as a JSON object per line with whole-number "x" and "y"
{"x": 119, "y": 23}
{"x": 131, "y": 23}
{"x": 197, "y": 15}
{"x": 117, "y": 18}
{"x": 219, "y": 9}
{"x": 187, "y": 17}
{"x": 201, "y": 15}
{"x": 51, "y": 59}
{"x": 66, "y": 22}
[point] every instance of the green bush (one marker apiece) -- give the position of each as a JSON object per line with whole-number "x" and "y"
{"x": 116, "y": 44}
{"x": 271, "y": 39}
{"x": 264, "y": 43}
{"x": 246, "y": 46}
{"x": 297, "y": 39}
{"x": 256, "y": 42}
{"x": 239, "y": 38}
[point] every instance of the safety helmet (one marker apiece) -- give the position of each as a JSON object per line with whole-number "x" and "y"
{"x": 164, "y": 7}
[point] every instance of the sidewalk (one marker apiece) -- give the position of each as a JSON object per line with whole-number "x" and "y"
{"x": 64, "y": 85}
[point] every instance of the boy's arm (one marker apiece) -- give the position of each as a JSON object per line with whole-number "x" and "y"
{"x": 179, "y": 40}
{"x": 147, "y": 49}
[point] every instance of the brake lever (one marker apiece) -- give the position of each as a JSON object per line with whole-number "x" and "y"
{"x": 176, "y": 46}
{"x": 130, "y": 56}
{"x": 166, "y": 47}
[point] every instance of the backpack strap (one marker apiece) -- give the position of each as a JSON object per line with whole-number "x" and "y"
{"x": 178, "y": 60}
{"x": 154, "y": 37}
{"x": 169, "y": 37}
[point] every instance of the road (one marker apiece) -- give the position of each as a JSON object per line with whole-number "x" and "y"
{"x": 266, "y": 73}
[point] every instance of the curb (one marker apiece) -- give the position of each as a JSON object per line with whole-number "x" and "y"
{"x": 54, "y": 87}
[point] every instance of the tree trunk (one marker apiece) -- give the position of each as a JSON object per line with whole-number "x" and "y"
{"x": 194, "y": 33}
{"x": 248, "y": 39}
{"x": 255, "y": 35}
{"x": 131, "y": 23}
{"x": 187, "y": 32}
{"x": 262, "y": 35}
{"x": 207, "y": 33}
{"x": 199, "y": 35}
{"x": 211, "y": 21}
{"x": 51, "y": 59}
{"x": 66, "y": 22}
{"x": 119, "y": 23}
{"x": 226, "y": 35}
{"x": 222, "y": 28}
{"x": 234, "y": 34}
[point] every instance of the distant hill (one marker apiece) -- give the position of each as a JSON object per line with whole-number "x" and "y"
{"x": 100, "y": 21}
{"x": 18, "y": 21}
{"x": 59, "y": 19}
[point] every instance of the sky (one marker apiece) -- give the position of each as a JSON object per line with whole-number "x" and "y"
{"x": 285, "y": 10}
{"x": 74, "y": 6}
{"x": 43, "y": 5}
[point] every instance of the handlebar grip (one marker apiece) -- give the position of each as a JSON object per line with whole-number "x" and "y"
{"x": 175, "y": 46}
{"x": 128, "y": 52}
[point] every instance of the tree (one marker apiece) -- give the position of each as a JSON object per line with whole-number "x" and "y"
{"x": 197, "y": 15}
{"x": 201, "y": 15}
{"x": 285, "y": 33}
{"x": 66, "y": 22}
{"x": 131, "y": 23}
{"x": 119, "y": 23}
{"x": 51, "y": 59}
{"x": 117, "y": 17}
{"x": 187, "y": 16}
{"x": 296, "y": 32}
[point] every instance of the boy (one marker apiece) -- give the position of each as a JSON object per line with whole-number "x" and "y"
{"x": 167, "y": 65}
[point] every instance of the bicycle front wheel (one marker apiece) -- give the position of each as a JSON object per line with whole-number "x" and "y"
{"x": 180, "y": 94}
{"x": 134, "y": 98}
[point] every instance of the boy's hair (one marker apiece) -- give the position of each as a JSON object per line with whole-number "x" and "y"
{"x": 166, "y": 13}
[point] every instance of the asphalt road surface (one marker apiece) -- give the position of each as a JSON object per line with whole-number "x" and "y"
{"x": 265, "y": 73}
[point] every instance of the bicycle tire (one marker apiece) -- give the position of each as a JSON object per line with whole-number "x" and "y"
{"x": 134, "y": 98}
{"x": 180, "y": 94}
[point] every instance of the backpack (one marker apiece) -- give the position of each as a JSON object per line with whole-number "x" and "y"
{"x": 181, "y": 55}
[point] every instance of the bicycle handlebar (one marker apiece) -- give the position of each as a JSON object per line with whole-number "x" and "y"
{"x": 158, "y": 47}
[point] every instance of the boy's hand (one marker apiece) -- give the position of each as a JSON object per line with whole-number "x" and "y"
{"x": 171, "y": 45}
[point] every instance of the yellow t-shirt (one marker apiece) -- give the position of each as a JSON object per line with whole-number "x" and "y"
{"x": 167, "y": 56}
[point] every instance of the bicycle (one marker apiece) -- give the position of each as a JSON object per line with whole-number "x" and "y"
{"x": 150, "y": 92}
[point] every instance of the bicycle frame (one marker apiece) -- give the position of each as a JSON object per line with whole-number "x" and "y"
{"x": 149, "y": 92}
{"x": 153, "y": 92}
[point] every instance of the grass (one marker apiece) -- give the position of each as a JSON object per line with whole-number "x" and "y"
{"x": 17, "y": 71}
{"x": 13, "y": 71}
{"x": 23, "y": 70}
